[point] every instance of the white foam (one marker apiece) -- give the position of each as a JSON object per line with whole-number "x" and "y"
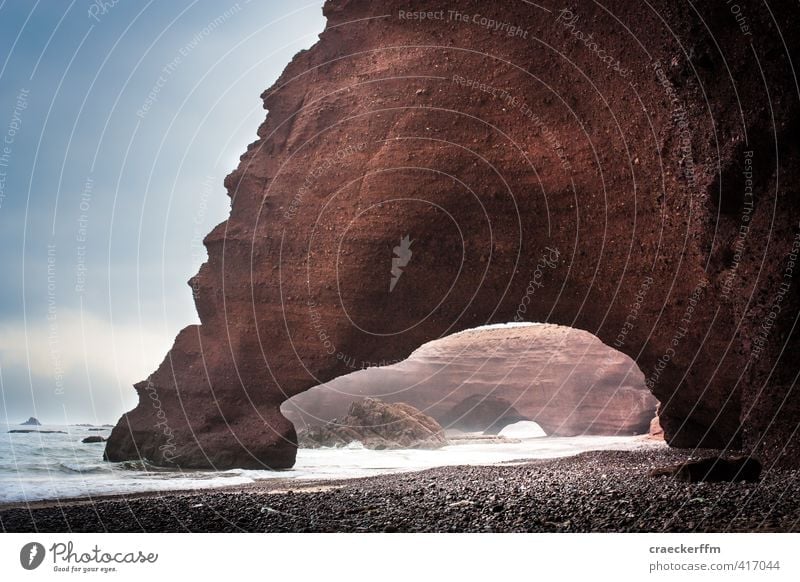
{"x": 35, "y": 467}
{"x": 524, "y": 429}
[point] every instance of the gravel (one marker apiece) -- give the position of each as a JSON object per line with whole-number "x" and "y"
{"x": 603, "y": 491}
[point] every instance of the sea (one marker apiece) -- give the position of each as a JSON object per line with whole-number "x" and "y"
{"x": 37, "y": 466}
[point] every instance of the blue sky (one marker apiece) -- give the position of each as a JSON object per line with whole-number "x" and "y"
{"x": 117, "y": 127}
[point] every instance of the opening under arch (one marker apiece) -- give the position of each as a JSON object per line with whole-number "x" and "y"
{"x": 485, "y": 379}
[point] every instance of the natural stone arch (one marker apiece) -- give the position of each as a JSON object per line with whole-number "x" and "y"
{"x": 484, "y": 379}
{"x": 296, "y": 287}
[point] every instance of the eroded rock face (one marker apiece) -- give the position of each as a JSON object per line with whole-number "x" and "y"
{"x": 529, "y": 179}
{"x": 656, "y": 432}
{"x": 565, "y": 379}
{"x": 377, "y": 425}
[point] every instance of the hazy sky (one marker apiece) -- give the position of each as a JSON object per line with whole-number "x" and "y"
{"x": 118, "y": 126}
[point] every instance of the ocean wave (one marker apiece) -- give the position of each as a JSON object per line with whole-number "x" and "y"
{"x": 79, "y": 468}
{"x": 39, "y": 472}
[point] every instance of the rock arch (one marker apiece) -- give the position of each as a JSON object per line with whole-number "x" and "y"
{"x": 536, "y": 178}
{"x": 481, "y": 380}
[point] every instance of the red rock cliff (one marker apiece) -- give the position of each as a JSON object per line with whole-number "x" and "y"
{"x": 589, "y": 168}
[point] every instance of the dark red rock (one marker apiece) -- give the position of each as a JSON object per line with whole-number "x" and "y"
{"x": 747, "y": 469}
{"x": 533, "y": 180}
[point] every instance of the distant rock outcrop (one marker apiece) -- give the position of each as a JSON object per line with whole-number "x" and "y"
{"x": 378, "y": 425}
{"x": 94, "y": 439}
{"x": 31, "y": 422}
{"x": 30, "y": 430}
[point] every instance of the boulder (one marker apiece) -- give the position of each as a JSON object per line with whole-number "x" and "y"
{"x": 741, "y": 468}
{"x": 94, "y": 439}
{"x": 378, "y": 425}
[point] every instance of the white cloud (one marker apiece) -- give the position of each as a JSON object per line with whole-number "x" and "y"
{"x": 74, "y": 344}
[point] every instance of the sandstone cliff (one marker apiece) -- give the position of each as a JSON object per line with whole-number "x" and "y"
{"x": 590, "y": 168}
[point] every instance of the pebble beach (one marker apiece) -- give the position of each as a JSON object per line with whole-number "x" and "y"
{"x": 598, "y": 491}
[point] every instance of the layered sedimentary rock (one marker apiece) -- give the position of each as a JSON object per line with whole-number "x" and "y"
{"x": 624, "y": 168}
{"x": 564, "y": 379}
{"x": 377, "y": 425}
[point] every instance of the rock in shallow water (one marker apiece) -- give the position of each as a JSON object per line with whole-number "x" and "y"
{"x": 30, "y": 430}
{"x": 378, "y": 425}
